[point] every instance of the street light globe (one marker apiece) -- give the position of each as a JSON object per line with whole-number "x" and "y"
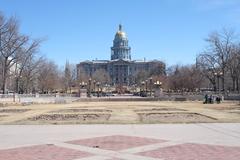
{"x": 158, "y": 83}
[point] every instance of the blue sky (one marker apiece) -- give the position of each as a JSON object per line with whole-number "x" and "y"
{"x": 77, "y": 30}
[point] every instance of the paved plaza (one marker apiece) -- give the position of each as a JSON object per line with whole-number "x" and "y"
{"x": 200, "y": 141}
{"x": 158, "y": 130}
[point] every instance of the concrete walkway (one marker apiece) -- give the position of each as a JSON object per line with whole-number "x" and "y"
{"x": 121, "y": 142}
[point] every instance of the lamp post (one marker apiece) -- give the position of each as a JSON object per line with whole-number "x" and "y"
{"x": 142, "y": 84}
{"x": 158, "y": 83}
{"x": 150, "y": 85}
{"x": 94, "y": 85}
{"x": 146, "y": 85}
{"x": 82, "y": 85}
{"x": 158, "y": 91}
{"x": 218, "y": 75}
{"x": 142, "y": 88}
{"x": 89, "y": 87}
{"x": 16, "y": 90}
{"x": 107, "y": 88}
{"x": 134, "y": 88}
{"x": 98, "y": 84}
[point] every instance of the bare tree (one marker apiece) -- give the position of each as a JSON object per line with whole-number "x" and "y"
{"x": 82, "y": 76}
{"x": 207, "y": 66}
{"x": 101, "y": 76}
{"x": 48, "y": 77}
{"x": 141, "y": 76}
{"x": 69, "y": 79}
{"x": 14, "y": 48}
{"x": 28, "y": 60}
{"x": 184, "y": 78}
{"x": 28, "y": 77}
{"x": 234, "y": 67}
{"x": 216, "y": 56}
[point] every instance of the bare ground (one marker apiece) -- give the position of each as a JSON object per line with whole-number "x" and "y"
{"x": 121, "y": 113}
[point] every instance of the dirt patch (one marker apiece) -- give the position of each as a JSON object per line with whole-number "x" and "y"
{"x": 178, "y": 117}
{"x": 236, "y": 112}
{"x": 81, "y": 110}
{"x": 70, "y": 117}
{"x": 14, "y": 110}
{"x": 122, "y": 113}
{"x": 159, "y": 109}
{"x": 2, "y": 105}
{"x": 226, "y": 108}
{"x": 3, "y": 116}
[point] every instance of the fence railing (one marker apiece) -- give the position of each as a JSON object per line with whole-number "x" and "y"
{"x": 163, "y": 96}
{"x": 36, "y": 95}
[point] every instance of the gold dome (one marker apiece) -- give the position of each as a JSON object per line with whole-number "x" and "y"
{"x": 120, "y": 33}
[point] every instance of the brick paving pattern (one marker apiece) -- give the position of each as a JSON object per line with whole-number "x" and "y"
{"x": 41, "y": 152}
{"x": 116, "y": 142}
{"x": 189, "y": 151}
{"x": 123, "y": 146}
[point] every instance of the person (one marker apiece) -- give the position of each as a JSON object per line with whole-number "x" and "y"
{"x": 211, "y": 99}
{"x": 218, "y": 99}
{"x": 206, "y": 99}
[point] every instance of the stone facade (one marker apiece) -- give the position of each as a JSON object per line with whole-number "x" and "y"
{"x": 120, "y": 68}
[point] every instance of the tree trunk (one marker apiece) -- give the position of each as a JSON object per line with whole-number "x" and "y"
{"x": 214, "y": 85}
{"x": 223, "y": 81}
{"x": 4, "y": 84}
{"x": 16, "y": 85}
{"x": 233, "y": 83}
{"x": 5, "y": 70}
{"x": 237, "y": 83}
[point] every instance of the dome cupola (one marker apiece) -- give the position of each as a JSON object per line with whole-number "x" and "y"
{"x": 120, "y": 49}
{"x": 120, "y": 34}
